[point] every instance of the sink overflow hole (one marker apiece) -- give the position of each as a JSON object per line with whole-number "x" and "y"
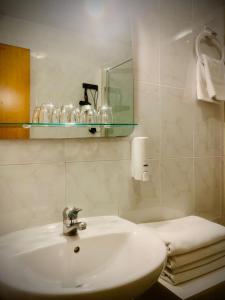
{"x": 76, "y": 249}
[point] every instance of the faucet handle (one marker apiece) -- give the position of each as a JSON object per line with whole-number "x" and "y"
{"x": 71, "y": 213}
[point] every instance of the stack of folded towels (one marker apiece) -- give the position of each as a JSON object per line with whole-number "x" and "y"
{"x": 195, "y": 247}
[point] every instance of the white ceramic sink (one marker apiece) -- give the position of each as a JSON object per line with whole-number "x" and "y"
{"x": 111, "y": 259}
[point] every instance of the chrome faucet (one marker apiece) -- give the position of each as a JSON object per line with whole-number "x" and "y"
{"x": 70, "y": 221}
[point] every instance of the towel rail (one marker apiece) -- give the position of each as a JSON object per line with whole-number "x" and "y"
{"x": 211, "y": 34}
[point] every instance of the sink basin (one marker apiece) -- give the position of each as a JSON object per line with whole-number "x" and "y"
{"x": 111, "y": 259}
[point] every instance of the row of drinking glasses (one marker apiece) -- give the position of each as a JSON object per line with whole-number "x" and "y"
{"x": 68, "y": 113}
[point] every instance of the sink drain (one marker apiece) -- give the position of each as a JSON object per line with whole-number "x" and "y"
{"x": 76, "y": 249}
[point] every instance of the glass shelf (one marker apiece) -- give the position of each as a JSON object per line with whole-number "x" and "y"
{"x": 66, "y": 125}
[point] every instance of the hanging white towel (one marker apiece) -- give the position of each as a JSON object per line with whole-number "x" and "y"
{"x": 210, "y": 79}
{"x": 202, "y": 92}
{"x": 215, "y": 77}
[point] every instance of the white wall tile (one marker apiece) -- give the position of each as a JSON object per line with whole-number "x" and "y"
{"x": 178, "y": 186}
{"x": 97, "y": 149}
{"x": 144, "y": 194}
{"x": 143, "y": 202}
{"x": 208, "y": 186}
{"x": 208, "y": 129}
{"x": 147, "y": 114}
{"x": 176, "y": 42}
{"x": 97, "y": 187}
{"x": 204, "y": 11}
{"x": 177, "y": 123}
{"x": 31, "y": 195}
{"x": 31, "y": 151}
{"x": 175, "y": 9}
{"x": 146, "y": 28}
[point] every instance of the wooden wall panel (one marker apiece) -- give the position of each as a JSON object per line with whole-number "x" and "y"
{"x": 14, "y": 90}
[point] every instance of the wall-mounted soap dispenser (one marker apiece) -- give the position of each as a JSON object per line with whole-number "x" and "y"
{"x": 139, "y": 163}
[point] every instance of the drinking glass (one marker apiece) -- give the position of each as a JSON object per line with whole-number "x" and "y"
{"x": 65, "y": 113}
{"x": 50, "y": 107}
{"x": 56, "y": 115}
{"x": 88, "y": 114}
{"x": 36, "y": 113}
{"x": 105, "y": 114}
{"x": 91, "y": 116}
{"x": 75, "y": 115}
{"x": 45, "y": 115}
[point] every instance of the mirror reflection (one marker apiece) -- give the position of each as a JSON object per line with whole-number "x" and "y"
{"x": 72, "y": 61}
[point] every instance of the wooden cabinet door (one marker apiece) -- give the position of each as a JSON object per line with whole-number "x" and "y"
{"x": 14, "y": 90}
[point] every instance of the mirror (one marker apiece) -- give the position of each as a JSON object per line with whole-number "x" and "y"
{"x": 72, "y": 43}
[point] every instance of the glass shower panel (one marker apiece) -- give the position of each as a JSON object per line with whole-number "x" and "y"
{"x": 120, "y": 97}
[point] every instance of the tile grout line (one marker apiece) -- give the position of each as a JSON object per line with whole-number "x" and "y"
{"x": 160, "y": 111}
{"x": 160, "y": 158}
{"x": 32, "y": 163}
{"x": 159, "y": 85}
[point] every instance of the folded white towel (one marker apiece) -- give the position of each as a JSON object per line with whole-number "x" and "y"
{"x": 195, "y": 264}
{"x": 178, "y": 261}
{"x": 215, "y": 77}
{"x": 189, "y": 233}
{"x": 193, "y": 273}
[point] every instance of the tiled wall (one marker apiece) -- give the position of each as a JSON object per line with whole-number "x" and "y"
{"x": 186, "y": 152}
{"x": 38, "y": 178}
